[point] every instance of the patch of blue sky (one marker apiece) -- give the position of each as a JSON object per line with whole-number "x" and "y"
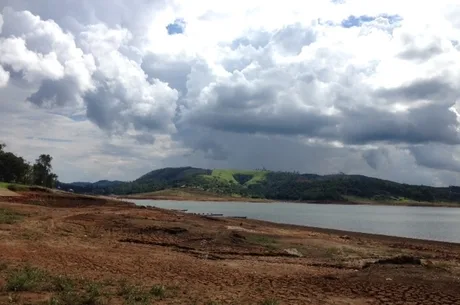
{"x": 177, "y": 27}
{"x": 357, "y": 21}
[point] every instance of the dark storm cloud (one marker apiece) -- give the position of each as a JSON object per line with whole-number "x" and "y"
{"x": 289, "y": 122}
{"x": 211, "y": 149}
{"x": 258, "y": 108}
{"x": 432, "y": 123}
{"x": 241, "y": 108}
{"x": 423, "y": 89}
{"x": 56, "y": 92}
{"x": 111, "y": 108}
{"x": 436, "y": 157}
{"x": 376, "y": 157}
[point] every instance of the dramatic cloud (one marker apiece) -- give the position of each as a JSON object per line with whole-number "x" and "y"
{"x": 351, "y": 86}
{"x": 437, "y": 157}
{"x": 375, "y": 158}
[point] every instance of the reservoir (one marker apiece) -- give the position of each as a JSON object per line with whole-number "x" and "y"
{"x": 432, "y": 223}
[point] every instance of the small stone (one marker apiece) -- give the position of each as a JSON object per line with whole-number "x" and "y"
{"x": 293, "y": 251}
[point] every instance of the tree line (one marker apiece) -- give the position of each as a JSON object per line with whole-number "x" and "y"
{"x": 15, "y": 169}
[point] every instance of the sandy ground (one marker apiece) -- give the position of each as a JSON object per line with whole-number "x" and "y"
{"x": 214, "y": 261}
{"x": 4, "y": 192}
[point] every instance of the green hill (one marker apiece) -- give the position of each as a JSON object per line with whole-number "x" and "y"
{"x": 243, "y": 177}
{"x": 272, "y": 185}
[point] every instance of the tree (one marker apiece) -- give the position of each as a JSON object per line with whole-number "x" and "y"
{"x": 13, "y": 169}
{"x": 42, "y": 171}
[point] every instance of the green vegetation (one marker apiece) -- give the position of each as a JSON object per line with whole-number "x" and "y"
{"x": 15, "y": 171}
{"x": 9, "y": 217}
{"x": 27, "y": 279}
{"x": 67, "y": 291}
{"x": 243, "y": 177}
{"x": 158, "y": 291}
{"x": 134, "y": 295}
{"x": 262, "y": 240}
{"x": 264, "y": 184}
{"x": 89, "y": 296}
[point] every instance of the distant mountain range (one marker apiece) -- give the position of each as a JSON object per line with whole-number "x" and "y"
{"x": 270, "y": 185}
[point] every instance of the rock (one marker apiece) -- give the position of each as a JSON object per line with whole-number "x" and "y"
{"x": 294, "y": 252}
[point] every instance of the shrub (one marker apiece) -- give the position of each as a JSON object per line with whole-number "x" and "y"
{"x": 26, "y": 279}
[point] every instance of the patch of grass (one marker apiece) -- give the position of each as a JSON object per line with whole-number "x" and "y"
{"x": 4, "y": 185}
{"x": 270, "y": 302}
{"x": 27, "y": 279}
{"x": 134, "y": 295}
{"x": 332, "y": 252}
{"x": 90, "y": 296}
{"x": 262, "y": 240}
{"x": 9, "y": 217}
{"x": 158, "y": 291}
{"x": 226, "y": 175}
{"x": 63, "y": 283}
{"x": 69, "y": 294}
{"x": 18, "y": 188}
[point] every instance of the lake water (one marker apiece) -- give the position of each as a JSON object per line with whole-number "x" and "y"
{"x": 432, "y": 223}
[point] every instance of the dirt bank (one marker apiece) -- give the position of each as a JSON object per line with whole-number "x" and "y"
{"x": 121, "y": 254}
{"x": 194, "y": 195}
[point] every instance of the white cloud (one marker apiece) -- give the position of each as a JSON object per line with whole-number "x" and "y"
{"x": 373, "y": 89}
{"x": 4, "y": 77}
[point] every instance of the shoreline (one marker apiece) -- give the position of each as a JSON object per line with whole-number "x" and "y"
{"x": 325, "y": 202}
{"x": 360, "y": 235}
{"x": 337, "y": 232}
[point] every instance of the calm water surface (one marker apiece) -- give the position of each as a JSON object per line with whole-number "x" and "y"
{"x": 416, "y": 222}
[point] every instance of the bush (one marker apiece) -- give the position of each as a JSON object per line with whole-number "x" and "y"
{"x": 26, "y": 279}
{"x": 158, "y": 291}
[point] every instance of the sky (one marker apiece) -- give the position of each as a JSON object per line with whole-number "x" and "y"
{"x": 115, "y": 88}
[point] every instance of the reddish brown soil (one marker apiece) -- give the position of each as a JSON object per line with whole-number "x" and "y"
{"x": 219, "y": 261}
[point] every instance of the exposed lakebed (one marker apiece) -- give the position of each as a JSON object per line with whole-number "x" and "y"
{"x": 431, "y": 223}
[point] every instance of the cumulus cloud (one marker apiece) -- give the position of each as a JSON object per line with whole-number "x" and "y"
{"x": 337, "y": 81}
{"x": 4, "y": 77}
{"x": 86, "y": 69}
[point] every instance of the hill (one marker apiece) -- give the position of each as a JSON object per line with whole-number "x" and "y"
{"x": 263, "y": 184}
